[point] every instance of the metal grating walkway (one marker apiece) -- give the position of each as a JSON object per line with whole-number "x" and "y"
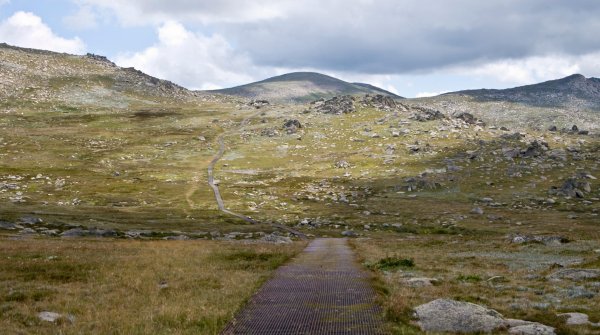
{"x": 322, "y": 291}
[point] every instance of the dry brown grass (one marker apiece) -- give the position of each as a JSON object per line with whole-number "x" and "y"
{"x": 112, "y": 287}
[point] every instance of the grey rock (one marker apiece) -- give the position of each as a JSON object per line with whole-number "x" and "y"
{"x": 477, "y": 210}
{"x": 7, "y": 225}
{"x": 258, "y": 103}
{"x": 50, "y": 232}
{"x": 27, "y": 231}
{"x": 466, "y": 117}
{"x": 424, "y": 114}
{"x": 577, "y": 292}
{"x": 30, "y": 220}
{"x": 336, "y": 105}
{"x": 49, "y": 316}
{"x": 575, "y": 274}
{"x": 292, "y": 126}
{"x": 102, "y": 233}
{"x": 342, "y": 164}
{"x": 557, "y": 154}
{"x": 547, "y": 240}
{"x": 348, "y": 233}
{"x": 535, "y": 149}
{"x": 176, "y": 238}
{"x": 381, "y": 102}
{"x": 75, "y": 232}
{"x": 510, "y": 323}
{"x": 278, "y": 239}
{"x": 445, "y": 315}
{"x": 575, "y": 319}
{"x": 421, "y": 281}
{"x": 532, "y": 329}
{"x": 574, "y": 187}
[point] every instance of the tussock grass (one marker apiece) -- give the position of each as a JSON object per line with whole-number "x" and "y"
{"x": 114, "y": 287}
{"x": 482, "y": 269}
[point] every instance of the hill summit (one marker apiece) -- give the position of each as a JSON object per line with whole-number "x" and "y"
{"x": 574, "y": 91}
{"x": 302, "y": 87}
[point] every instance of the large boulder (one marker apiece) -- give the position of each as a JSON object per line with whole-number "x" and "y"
{"x": 292, "y": 126}
{"x": 445, "y": 315}
{"x": 336, "y": 105}
{"x": 468, "y": 118}
{"x": 381, "y": 102}
{"x": 424, "y": 114}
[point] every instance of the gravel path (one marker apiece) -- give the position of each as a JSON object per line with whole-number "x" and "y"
{"x": 322, "y": 291}
{"x": 217, "y": 192}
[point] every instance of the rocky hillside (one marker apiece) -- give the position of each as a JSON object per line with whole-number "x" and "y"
{"x": 574, "y": 92}
{"x": 302, "y": 87}
{"x": 40, "y": 76}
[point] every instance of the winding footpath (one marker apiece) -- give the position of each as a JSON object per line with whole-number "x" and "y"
{"x": 321, "y": 291}
{"x": 217, "y": 192}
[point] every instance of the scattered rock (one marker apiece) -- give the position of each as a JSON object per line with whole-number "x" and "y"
{"x": 547, "y": 240}
{"x": 7, "y": 225}
{"x": 342, "y": 164}
{"x": 381, "y": 102}
{"x": 75, "y": 232}
{"x": 575, "y": 274}
{"x": 574, "y": 187}
{"x": 32, "y": 220}
{"x": 176, "y": 238}
{"x": 578, "y": 292}
{"x": 258, "y": 103}
{"x": 445, "y": 315}
{"x": 423, "y": 114}
{"x": 512, "y": 137}
{"x": 273, "y": 238}
{"x": 535, "y": 149}
{"x": 336, "y": 105}
{"x": 421, "y": 282}
{"x": 468, "y": 118}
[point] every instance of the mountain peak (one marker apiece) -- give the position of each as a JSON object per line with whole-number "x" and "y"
{"x": 573, "y": 90}
{"x": 302, "y": 87}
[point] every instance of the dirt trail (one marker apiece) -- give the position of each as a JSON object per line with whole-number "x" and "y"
{"x": 322, "y": 291}
{"x": 215, "y": 186}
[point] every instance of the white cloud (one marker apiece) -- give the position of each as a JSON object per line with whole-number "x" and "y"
{"x": 534, "y": 69}
{"x": 139, "y": 12}
{"x": 84, "y": 18}
{"x": 191, "y": 59}
{"x": 371, "y": 37}
{"x": 26, "y": 29}
{"x": 428, "y": 94}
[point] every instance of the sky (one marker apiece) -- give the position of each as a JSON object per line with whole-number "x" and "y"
{"x": 411, "y": 47}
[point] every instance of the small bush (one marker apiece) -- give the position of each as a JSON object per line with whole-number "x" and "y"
{"x": 392, "y": 263}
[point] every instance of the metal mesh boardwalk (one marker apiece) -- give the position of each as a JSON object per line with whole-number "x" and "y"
{"x": 322, "y": 291}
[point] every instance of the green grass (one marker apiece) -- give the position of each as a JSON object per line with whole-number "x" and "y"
{"x": 392, "y": 263}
